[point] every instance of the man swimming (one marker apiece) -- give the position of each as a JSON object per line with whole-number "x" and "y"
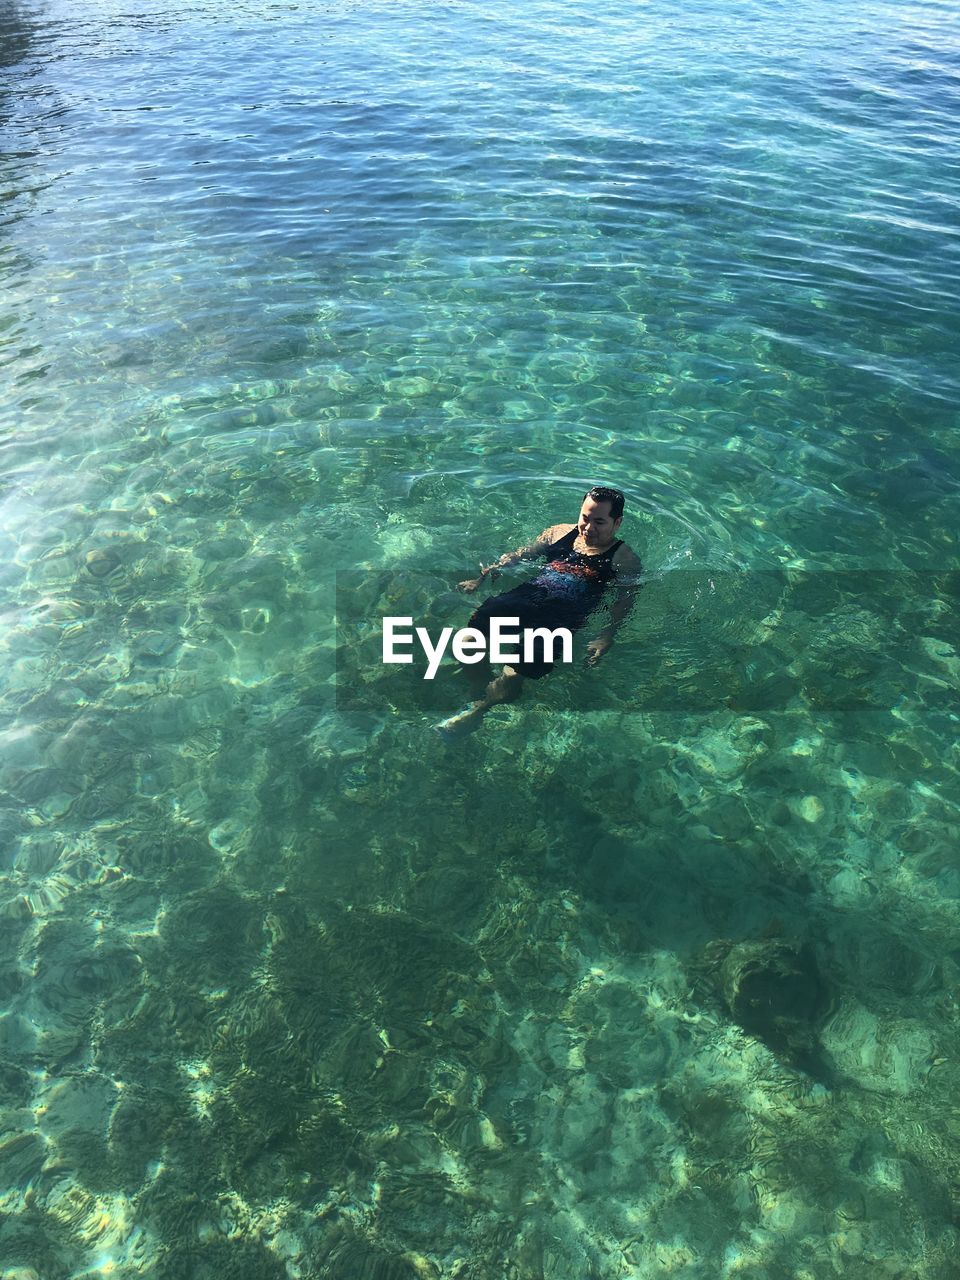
{"x": 582, "y": 560}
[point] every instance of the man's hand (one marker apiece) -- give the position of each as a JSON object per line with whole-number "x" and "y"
{"x": 469, "y": 585}
{"x": 596, "y": 649}
{"x": 492, "y": 571}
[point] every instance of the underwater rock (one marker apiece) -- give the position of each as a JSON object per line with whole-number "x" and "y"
{"x": 629, "y": 1044}
{"x": 18, "y": 1037}
{"x": 714, "y": 756}
{"x": 225, "y": 548}
{"x": 152, "y": 646}
{"x": 409, "y": 387}
{"x": 406, "y": 545}
{"x": 55, "y": 571}
{"x": 774, "y": 991}
{"x": 811, "y": 808}
{"x": 881, "y": 1053}
{"x": 438, "y": 488}
{"x": 57, "y": 805}
{"x": 877, "y": 960}
{"x": 101, "y": 562}
{"x": 22, "y": 1156}
{"x": 229, "y": 836}
{"x": 342, "y": 736}
{"x": 16, "y": 1084}
{"x": 355, "y": 1259}
{"x": 83, "y": 1102}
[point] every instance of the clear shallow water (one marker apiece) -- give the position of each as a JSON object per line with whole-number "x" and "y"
{"x": 644, "y": 978}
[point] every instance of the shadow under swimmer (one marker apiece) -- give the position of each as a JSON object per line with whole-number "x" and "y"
{"x": 503, "y": 642}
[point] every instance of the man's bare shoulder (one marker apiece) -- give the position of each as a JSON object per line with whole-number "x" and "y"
{"x": 555, "y": 531}
{"x": 625, "y": 560}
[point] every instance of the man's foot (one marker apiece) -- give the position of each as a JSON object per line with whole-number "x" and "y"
{"x": 506, "y": 688}
{"x": 458, "y": 726}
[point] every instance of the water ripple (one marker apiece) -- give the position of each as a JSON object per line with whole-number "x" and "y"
{"x": 293, "y": 288}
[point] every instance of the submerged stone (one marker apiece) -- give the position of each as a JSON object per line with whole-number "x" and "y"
{"x": 774, "y": 990}
{"x": 101, "y": 562}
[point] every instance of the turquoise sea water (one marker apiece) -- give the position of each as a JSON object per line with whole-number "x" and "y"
{"x": 306, "y": 309}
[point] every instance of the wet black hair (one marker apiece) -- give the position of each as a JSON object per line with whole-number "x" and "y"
{"x": 600, "y": 493}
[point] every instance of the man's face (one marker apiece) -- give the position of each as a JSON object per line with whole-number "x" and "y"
{"x": 595, "y": 525}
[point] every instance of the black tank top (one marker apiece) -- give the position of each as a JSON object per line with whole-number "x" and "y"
{"x": 572, "y": 575}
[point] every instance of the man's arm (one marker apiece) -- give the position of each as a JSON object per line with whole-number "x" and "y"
{"x": 529, "y": 552}
{"x": 628, "y": 568}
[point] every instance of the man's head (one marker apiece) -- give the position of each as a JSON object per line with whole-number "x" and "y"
{"x": 600, "y": 515}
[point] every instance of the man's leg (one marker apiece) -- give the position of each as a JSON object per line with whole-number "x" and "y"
{"x": 479, "y": 676}
{"x": 506, "y": 687}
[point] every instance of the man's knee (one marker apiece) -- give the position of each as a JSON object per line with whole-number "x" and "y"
{"x": 512, "y": 684}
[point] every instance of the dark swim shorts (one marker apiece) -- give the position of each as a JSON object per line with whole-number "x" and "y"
{"x": 535, "y": 607}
